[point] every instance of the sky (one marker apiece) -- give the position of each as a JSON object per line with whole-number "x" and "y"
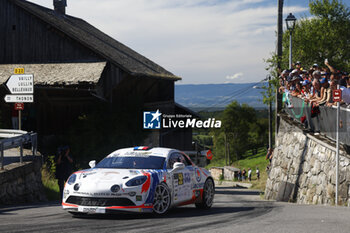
{"x": 202, "y": 41}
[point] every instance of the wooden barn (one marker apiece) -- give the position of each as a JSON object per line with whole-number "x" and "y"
{"x": 77, "y": 68}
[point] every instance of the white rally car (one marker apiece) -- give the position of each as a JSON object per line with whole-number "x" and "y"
{"x": 139, "y": 179}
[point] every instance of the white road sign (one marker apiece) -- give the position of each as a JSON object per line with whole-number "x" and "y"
{"x": 21, "y": 84}
{"x": 19, "y": 98}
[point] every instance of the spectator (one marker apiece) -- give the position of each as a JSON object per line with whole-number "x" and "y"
{"x": 244, "y": 174}
{"x": 298, "y": 88}
{"x": 257, "y": 173}
{"x": 239, "y": 175}
{"x": 316, "y": 75}
{"x": 249, "y": 174}
{"x": 325, "y": 92}
{"x": 315, "y": 86}
{"x": 345, "y": 87}
{"x": 333, "y": 86}
{"x": 14, "y": 118}
{"x": 63, "y": 166}
{"x": 315, "y": 67}
{"x": 305, "y": 92}
{"x": 269, "y": 154}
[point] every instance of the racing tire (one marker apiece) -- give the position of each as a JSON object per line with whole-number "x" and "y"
{"x": 208, "y": 195}
{"x": 162, "y": 199}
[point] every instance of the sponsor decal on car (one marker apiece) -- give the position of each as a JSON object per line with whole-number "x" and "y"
{"x": 147, "y": 184}
{"x": 197, "y": 174}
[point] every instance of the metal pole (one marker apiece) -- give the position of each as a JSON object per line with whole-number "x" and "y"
{"x": 290, "y": 49}
{"x": 2, "y": 155}
{"x": 270, "y": 116}
{"x": 19, "y": 119}
{"x": 21, "y": 151}
{"x": 228, "y": 153}
{"x": 278, "y": 99}
{"x": 337, "y": 154}
{"x": 225, "y": 150}
{"x": 279, "y": 33}
{"x": 196, "y": 146}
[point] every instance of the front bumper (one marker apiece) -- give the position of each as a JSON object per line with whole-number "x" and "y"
{"x": 98, "y": 205}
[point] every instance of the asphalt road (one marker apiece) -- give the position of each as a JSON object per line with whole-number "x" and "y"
{"x": 235, "y": 210}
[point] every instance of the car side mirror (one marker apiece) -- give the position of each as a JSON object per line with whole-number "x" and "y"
{"x": 92, "y": 163}
{"x": 178, "y": 166}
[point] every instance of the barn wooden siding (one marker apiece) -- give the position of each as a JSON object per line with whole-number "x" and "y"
{"x": 27, "y": 39}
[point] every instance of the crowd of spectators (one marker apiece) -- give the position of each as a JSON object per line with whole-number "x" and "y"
{"x": 315, "y": 85}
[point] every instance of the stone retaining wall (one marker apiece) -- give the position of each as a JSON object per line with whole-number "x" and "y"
{"x": 304, "y": 166}
{"x": 21, "y": 183}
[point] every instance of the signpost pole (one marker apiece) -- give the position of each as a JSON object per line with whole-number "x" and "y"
{"x": 20, "y": 119}
{"x": 337, "y": 153}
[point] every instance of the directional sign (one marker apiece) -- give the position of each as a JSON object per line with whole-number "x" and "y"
{"x": 19, "y": 106}
{"x": 209, "y": 155}
{"x": 21, "y": 84}
{"x": 337, "y": 95}
{"x": 19, "y": 98}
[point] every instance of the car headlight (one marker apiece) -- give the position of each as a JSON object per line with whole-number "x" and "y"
{"x": 136, "y": 181}
{"x": 72, "y": 179}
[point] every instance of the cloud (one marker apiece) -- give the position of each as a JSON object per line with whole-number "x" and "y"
{"x": 235, "y": 76}
{"x": 200, "y": 40}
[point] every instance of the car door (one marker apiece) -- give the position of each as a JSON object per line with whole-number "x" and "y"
{"x": 182, "y": 179}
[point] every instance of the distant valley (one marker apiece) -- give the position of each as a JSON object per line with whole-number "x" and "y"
{"x": 210, "y": 97}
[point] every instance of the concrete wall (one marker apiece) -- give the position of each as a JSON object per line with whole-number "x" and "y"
{"x": 304, "y": 166}
{"x": 21, "y": 183}
{"x": 228, "y": 173}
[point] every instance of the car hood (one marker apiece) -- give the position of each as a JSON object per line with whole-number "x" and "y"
{"x": 99, "y": 176}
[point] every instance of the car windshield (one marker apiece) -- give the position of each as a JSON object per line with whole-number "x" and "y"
{"x": 149, "y": 162}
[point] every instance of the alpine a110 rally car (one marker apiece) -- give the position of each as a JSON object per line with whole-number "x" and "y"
{"x": 139, "y": 179}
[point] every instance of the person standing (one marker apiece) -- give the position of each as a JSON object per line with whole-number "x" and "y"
{"x": 249, "y": 174}
{"x": 243, "y": 174}
{"x": 14, "y": 118}
{"x": 64, "y": 166}
{"x": 258, "y": 173}
{"x": 239, "y": 175}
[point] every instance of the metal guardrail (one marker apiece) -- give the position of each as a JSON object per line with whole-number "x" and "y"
{"x": 16, "y": 138}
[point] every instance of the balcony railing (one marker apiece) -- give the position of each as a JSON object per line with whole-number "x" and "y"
{"x": 322, "y": 120}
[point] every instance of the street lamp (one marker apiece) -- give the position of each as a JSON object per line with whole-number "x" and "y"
{"x": 290, "y": 22}
{"x": 269, "y": 110}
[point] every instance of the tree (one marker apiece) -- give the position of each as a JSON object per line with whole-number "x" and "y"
{"x": 325, "y": 35}
{"x": 237, "y": 120}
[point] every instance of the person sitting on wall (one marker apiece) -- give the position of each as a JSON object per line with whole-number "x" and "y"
{"x": 269, "y": 154}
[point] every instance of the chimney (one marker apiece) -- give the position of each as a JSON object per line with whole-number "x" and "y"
{"x": 60, "y": 6}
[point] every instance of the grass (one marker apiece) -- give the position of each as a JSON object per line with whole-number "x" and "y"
{"x": 52, "y": 190}
{"x": 250, "y": 161}
{"x": 253, "y": 162}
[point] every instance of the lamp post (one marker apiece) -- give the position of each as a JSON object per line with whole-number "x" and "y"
{"x": 290, "y": 22}
{"x": 269, "y": 110}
